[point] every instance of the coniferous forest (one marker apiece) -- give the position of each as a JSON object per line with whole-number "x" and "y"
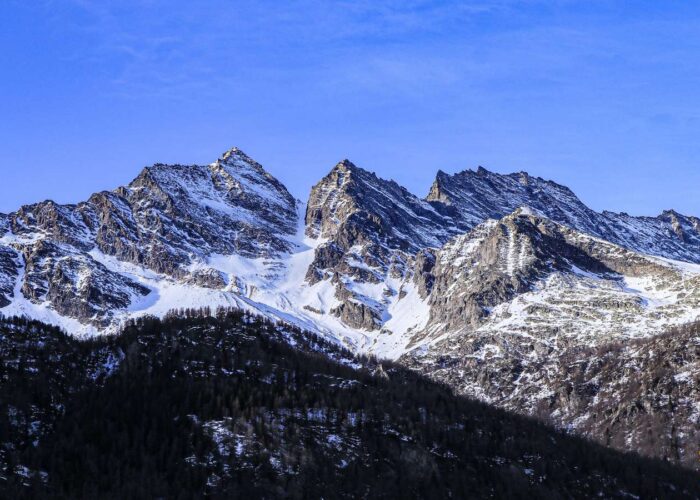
{"x": 229, "y": 405}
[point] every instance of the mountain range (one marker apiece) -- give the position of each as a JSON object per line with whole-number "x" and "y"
{"x": 507, "y": 288}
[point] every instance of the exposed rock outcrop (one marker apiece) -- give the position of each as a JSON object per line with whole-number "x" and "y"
{"x": 8, "y": 275}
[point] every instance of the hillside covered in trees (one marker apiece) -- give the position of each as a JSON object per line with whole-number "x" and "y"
{"x": 236, "y": 406}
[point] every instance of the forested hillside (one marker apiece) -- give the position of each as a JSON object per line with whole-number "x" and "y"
{"x": 236, "y": 406}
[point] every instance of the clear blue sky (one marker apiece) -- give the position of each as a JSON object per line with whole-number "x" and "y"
{"x": 601, "y": 96}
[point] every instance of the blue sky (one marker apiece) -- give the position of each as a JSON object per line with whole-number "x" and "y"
{"x": 600, "y": 96}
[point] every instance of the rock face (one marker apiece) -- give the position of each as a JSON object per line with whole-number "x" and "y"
{"x": 471, "y": 197}
{"x": 639, "y": 394}
{"x": 535, "y": 317}
{"x": 8, "y": 275}
{"x": 506, "y": 287}
{"x": 75, "y": 284}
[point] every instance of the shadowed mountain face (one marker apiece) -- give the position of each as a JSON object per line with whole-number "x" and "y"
{"x": 490, "y": 272}
{"x": 471, "y": 197}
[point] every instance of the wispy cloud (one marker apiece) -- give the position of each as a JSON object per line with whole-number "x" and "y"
{"x": 175, "y": 50}
{"x": 169, "y": 48}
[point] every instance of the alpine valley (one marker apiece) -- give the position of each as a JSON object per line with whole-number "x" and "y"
{"x": 505, "y": 289}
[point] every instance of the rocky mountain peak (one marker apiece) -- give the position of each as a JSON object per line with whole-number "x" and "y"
{"x": 469, "y": 197}
{"x": 350, "y": 203}
{"x": 675, "y": 217}
{"x": 352, "y": 179}
{"x": 523, "y": 178}
{"x": 525, "y": 258}
{"x": 170, "y": 220}
{"x": 237, "y": 161}
{"x": 437, "y": 193}
{"x": 373, "y": 229}
{"x": 347, "y": 166}
{"x": 234, "y": 153}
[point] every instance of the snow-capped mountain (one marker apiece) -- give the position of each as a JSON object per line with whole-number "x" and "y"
{"x": 85, "y": 264}
{"x": 489, "y": 270}
{"x": 470, "y": 197}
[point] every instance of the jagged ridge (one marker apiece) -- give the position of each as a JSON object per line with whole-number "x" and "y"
{"x": 471, "y": 197}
